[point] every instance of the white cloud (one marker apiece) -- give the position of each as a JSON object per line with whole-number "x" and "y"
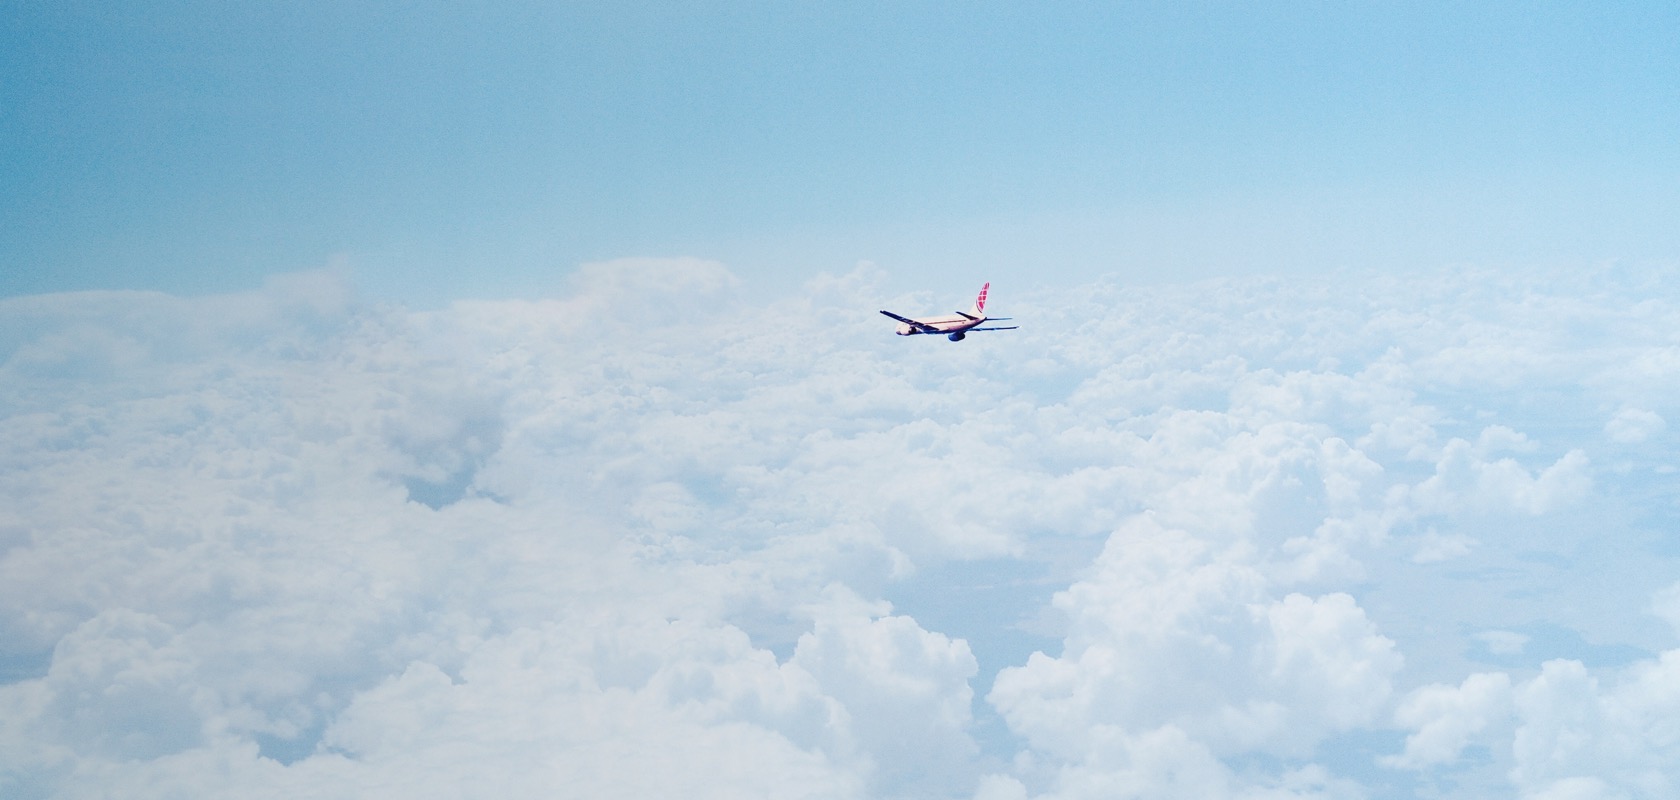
{"x": 1576, "y": 735}
{"x": 1168, "y": 635}
{"x": 1570, "y": 731}
{"x": 1503, "y": 642}
{"x": 1633, "y": 425}
{"x": 1433, "y": 547}
{"x": 1466, "y": 481}
{"x": 904, "y": 691}
{"x": 1445, "y": 718}
{"x": 641, "y": 540}
{"x": 1168, "y": 764}
{"x": 1665, "y": 604}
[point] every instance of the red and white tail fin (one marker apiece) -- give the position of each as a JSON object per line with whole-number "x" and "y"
{"x": 980, "y": 302}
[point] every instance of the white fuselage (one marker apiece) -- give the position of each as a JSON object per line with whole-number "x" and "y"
{"x": 954, "y": 323}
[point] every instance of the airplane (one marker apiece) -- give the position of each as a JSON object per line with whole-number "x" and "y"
{"x": 954, "y": 327}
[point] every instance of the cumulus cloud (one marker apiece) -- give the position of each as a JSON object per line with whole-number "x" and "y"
{"x": 1445, "y": 718}
{"x": 1620, "y": 738}
{"x": 640, "y": 540}
{"x": 1632, "y": 425}
{"x": 1434, "y": 547}
{"x": 1166, "y": 633}
{"x": 1569, "y": 732}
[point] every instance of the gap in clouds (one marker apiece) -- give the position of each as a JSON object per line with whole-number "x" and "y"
{"x": 1001, "y": 607}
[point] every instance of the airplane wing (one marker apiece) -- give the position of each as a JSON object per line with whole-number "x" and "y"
{"x": 921, "y": 327}
{"x": 1007, "y": 328}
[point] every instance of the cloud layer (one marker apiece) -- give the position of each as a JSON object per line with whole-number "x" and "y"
{"x": 1350, "y": 537}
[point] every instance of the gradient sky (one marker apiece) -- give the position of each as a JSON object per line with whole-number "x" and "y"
{"x": 459, "y": 445}
{"x": 438, "y": 151}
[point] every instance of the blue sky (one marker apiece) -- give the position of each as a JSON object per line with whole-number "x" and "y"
{"x": 439, "y": 151}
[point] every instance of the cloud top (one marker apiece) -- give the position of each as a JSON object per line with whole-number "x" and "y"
{"x": 652, "y": 537}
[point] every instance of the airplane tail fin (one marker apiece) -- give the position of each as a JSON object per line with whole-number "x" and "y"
{"x": 980, "y": 302}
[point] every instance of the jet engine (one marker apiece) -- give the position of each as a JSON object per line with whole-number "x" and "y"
{"x": 957, "y": 337}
